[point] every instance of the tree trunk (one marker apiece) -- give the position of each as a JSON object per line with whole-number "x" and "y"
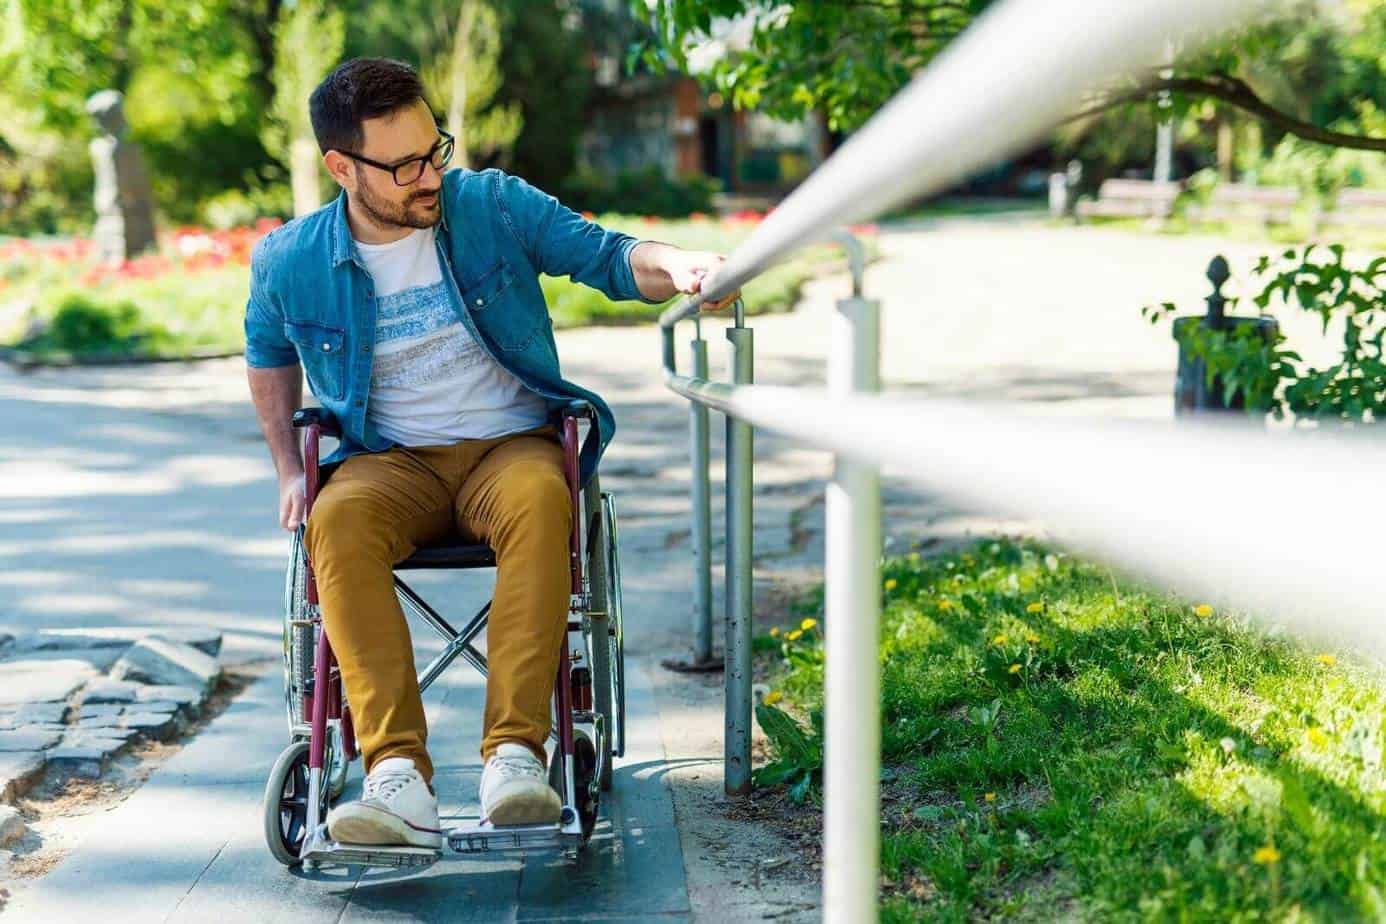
{"x": 457, "y": 105}
{"x": 303, "y": 175}
{"x": 1227, "y": 144}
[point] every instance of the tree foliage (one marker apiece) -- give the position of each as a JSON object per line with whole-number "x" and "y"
{"x": 1304, "y": 72}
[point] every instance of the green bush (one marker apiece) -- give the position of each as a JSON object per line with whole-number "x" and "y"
{"x": 643, "y": 191}
{"x": 82, "y": 324}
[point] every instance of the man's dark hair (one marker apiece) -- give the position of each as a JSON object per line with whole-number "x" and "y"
{"x": 359, "y": 89}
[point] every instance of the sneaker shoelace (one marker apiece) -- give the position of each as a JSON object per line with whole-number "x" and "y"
{"x": 386, "y": 784}
{"x": 511, "y": 767}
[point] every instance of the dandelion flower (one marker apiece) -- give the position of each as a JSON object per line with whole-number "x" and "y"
{"x": 1203, "y": 609}
{"x": 773, "y": 697}
{"x": 1031, "y": 637}
{"x": 1035, "y": 607}
{"x": 1266, "y": 856}
{"x": 945, "y": 604}
{"x": 990, "y": 797}
{"x": 1014, "y": 668}
{"x": 999, "y": 640}
{"x": 808, "y": 624}
{"x": 794, "y": 636}
{"x": 774, "y": 631}
{"x": 1327, "y": 660}
{"x": 891, "y": 584}
{"x": 1316, "y": 737}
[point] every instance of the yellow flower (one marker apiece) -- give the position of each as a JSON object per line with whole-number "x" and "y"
{"x": 1031, "y": 637}
{"x": 794, "y": 635}
{"x": 1327, "y": 660}
{"x": 999, "y": 640}
{"x": 945, "y": 604}
{"x": 891, "y": 583}
{"x": 773, "y": 697}
{"x": 1203, "y": 609}
{"x": 774, "y": 631}
{"x": 1014, "y": 668}
{"x": 1035, "y": 607}
{"x": 808, "y": 624}
{"x": 1316, "y": 737}
{"x": 1266, "y": 856}
{"x": 990, "y": 797}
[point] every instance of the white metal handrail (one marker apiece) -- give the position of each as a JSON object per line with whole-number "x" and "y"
{"x": 1014, "y": 75}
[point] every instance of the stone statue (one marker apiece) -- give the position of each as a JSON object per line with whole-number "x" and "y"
{"x": 124, "y": 201}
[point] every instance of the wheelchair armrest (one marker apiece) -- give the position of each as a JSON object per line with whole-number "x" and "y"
{"x": 325, "y": 419}
{"x": 576, "y": 407}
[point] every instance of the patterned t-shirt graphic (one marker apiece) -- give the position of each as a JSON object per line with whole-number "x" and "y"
{"x": 431, "y": 382}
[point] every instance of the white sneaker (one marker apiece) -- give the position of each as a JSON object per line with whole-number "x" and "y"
{"x": 397, "y": 808}
{"x": 515, "y": 790}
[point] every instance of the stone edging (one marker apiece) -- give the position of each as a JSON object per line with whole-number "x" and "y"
{"x": 73, "y": 699}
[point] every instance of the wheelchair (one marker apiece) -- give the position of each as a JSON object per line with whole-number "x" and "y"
{"x": 588, "y": 729}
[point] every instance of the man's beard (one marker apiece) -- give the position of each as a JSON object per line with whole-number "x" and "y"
{"x": 390, "y": 214}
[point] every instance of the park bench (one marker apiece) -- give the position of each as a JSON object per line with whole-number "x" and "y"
{"x": 1131, "y": 199}
{"x": 1360, "y": 207}
{"x": 1268, "y": 205}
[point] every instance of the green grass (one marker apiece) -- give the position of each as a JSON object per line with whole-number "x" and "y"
{"x": 1061, "y": 744}
{"x": 969, "y": 207}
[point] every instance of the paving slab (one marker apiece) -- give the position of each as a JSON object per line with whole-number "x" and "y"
{"x": 29, "y": 738}
{"x": 157, "y": 725}
{"x": 18, "y": 771}
{"x": 28, "y": 681}
{"x": 155, "y": 660}
{"x": 105, "y": 690}
{"x": 182, "y": 696}
{"x": 206, "y": 639}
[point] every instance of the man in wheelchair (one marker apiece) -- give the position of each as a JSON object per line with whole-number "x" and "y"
{"x": 412, "y": 305}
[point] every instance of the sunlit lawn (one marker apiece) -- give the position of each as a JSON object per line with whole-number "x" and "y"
{"x": 1063, "y": 745}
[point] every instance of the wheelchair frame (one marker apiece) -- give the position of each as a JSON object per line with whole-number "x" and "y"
{"x": 588, "y": 730}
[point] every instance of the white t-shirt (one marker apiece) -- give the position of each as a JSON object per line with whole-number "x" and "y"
{"x": 431, "y": 382}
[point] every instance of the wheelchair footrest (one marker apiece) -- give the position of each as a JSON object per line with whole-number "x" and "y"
{"x": 484, "y": 837}
{"x": 322, "y": 849}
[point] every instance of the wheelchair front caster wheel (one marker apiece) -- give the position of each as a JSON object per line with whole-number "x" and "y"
{"x": 286, "y": 804}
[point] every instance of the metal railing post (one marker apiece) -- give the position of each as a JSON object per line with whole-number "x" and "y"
{"x": 702, "y": 510}
{"x": 737, "y": 743}
{"x": 700, "y": 495}
{"x": 851, "y": 775}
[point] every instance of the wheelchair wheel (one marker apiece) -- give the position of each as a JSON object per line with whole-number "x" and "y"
{"x": 299, "y": 637}
{"x": 588, "y": 788}
{"x": 286, "y": 804}
{"x": 605, "y": 642}
{"x": 300, "y": 640}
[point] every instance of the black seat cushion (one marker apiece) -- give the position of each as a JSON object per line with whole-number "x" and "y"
{"x": 449, "y": 554}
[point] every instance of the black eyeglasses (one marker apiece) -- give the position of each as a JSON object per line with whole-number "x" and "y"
{"x": 409, "y": 171}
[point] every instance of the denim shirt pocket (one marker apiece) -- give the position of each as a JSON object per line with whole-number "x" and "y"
{"x": 322, "y": 350}
{"x": 499, "y": 311}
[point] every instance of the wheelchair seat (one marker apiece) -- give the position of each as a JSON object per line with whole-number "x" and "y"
{"x": 451, "y": 553}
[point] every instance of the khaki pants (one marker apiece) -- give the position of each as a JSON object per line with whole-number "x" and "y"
{"x": 508, "y": 491}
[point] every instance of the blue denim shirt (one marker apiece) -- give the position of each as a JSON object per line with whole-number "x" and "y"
{"x": 312, "y": 300}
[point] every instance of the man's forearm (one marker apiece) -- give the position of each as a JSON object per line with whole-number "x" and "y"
{"x": 277, "y": 393}
{"x": 651, "y": 276}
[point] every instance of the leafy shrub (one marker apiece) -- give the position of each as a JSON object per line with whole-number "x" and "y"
{"x": 642, "y": 191}
{"x": 1269, "y": 377}
{"x": 84, "y": 325}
